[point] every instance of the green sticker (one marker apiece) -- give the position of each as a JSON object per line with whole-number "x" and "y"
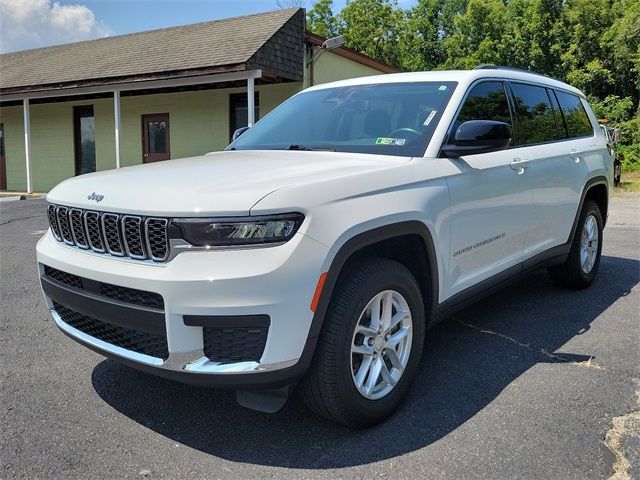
{"x": 442, "y": 87}
{"x": 390, "y": 141}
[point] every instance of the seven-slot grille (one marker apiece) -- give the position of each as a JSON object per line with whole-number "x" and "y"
{"x": 140, "y": 238}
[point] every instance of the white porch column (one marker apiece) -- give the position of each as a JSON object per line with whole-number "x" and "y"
{"x": 116, "y": 124}
{"x": 27, "y": 142}
{"x": 251, "y": 113}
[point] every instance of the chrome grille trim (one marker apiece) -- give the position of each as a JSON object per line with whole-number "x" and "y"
{"x": 62, "y": 214}
{"x": 78, "y": 231}
{"x": 53, "y": 222}
{"x": 133, "y": 236}
{"x": 159, "y": 250}
{"x": 120, "y": 235}
{"x": 94, "y": 232}
{"x": 112, "y": 234}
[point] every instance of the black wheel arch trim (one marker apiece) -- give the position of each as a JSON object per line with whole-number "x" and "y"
{"x": 592, "y": 182}
{"x": 366, "y": 239}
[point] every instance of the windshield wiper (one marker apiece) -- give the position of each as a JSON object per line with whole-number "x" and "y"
{"x": 308, "y": 149}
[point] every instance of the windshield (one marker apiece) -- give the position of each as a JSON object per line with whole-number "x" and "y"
{"x": 386, "y": 119}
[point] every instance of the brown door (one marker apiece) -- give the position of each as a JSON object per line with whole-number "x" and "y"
{"x": 3, "y": 164}
{"x": 155, "y": 137}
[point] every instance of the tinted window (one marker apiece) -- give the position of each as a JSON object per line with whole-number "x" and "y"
{"x": 535, "y": 120}
{"x": 575, "y": 116}
{"x": 486, "y": 101}
{"x": 561, "y": 127}
{"x": 385, "y": 118}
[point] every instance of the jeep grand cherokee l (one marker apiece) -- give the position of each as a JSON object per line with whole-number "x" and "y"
{"x": 316, "y": 250}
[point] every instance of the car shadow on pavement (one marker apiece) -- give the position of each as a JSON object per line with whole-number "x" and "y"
{"x": 469, "y": 359}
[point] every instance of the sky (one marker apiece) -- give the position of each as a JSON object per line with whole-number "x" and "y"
{"x": 28, "y": 24}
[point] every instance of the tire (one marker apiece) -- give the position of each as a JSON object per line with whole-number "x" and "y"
{"x": 574, "y": 272}
{"x": 329, "y": 388}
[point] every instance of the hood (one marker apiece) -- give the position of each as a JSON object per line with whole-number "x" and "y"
{"x": 221, "y": 183}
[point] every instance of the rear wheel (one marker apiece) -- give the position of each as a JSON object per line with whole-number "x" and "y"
{"x": 370, "y": 345}
{"x": 582, "y": 264}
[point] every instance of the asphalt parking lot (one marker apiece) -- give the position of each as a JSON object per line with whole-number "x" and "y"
{"x": 533, "y": 382}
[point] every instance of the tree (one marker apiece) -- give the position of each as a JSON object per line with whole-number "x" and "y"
{"x": 530, "y": 39}
{"x": 374, "y": 27}
{"x": 477, "y": 35}
{"x": 583, "y": 23}
{"x": 621, "y": 42}
{"x": 420, "y": 46}
{"x": 321, "y": 20}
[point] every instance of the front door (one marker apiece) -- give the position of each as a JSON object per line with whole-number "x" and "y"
{"x": 3, "y": 164}
{"x": 491, "y": 201}
{"x": 155, "y": 137}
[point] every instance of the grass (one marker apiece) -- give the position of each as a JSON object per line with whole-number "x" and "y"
{"x": 629, "y": 182}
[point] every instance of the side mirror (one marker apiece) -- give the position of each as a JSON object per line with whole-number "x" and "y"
{"x": 479, "y": 136}
{"x": 239, "y": 132}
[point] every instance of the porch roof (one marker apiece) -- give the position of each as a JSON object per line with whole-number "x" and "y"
{"x": 271, "y": 42}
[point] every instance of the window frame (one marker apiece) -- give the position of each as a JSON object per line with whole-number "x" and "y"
{"x": 553, "y": 109}
{"x": 507, "y": 92}
{"x": 584, "y": 109}
{"x": 507, "y": 84}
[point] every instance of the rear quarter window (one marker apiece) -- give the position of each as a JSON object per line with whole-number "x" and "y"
{"x": 575, "y": 116}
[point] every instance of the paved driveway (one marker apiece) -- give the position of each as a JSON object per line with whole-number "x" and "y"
{"x": 534, "y": 382}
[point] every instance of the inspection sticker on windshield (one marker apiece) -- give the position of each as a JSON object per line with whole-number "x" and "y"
{"x": 430, "y": 117}
{"x": 390, "y": 141}
{"x": 442, "y": 87}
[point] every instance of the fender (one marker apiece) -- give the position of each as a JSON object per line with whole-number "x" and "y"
{"x": 592, "y": 182}
{"x": 353, "y": 245}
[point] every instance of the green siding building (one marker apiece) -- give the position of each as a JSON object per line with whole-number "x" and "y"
{"x": 157, "y": 95}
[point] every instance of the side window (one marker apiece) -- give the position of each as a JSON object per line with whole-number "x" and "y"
{"x": 535, "y": 122}
{"x": 486, "y": 101}
{"x": 562, "y": 128}
{"x": 575, "y": 116}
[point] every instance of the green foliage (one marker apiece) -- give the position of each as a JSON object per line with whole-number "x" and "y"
{"x": 591, "y": 44}
{"x": 374, "y": 27}
{"x": 321, "y": 20}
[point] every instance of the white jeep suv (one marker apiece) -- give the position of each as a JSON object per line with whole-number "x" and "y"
{"x": 318, "y": 247}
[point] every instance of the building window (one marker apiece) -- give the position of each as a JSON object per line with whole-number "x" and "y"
{"x": 238, "y": 111}
{"x": 85, "y": 139}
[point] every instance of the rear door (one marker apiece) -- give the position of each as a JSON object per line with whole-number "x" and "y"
{"x": 557, "y": 136}
{"x": 490, "y": 197}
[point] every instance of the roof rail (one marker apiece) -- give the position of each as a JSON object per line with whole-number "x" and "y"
{"x": 512, "y": 69}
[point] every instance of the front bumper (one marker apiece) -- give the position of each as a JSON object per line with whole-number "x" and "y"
{"x": 275, "y": 283}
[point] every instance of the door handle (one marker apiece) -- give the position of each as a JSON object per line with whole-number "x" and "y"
{"x": 518, "y": 165}
{"x": 575, "y": 154}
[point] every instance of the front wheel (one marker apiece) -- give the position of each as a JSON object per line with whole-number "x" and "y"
{"x": 582, "y": 264}
{"x": 370, "y": 345}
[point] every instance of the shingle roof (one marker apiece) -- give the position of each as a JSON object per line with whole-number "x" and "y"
{"x": 222, "y": 43}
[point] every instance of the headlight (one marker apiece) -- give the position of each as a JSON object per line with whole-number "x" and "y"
{"x": 225, "y": 232}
